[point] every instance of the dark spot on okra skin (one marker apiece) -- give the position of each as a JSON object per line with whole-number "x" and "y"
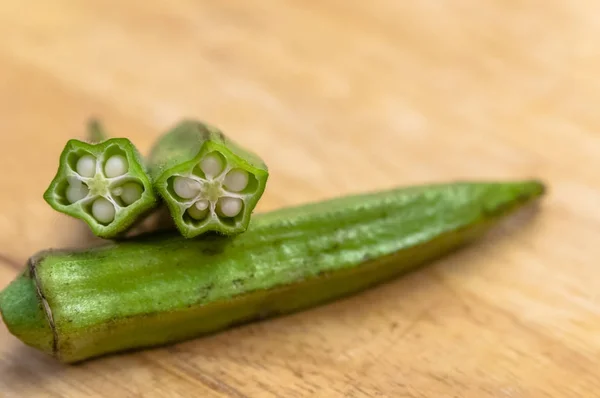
{"x": 277, "y": 242}
{"x": 205, "y": 291}
{"x": 220, "y": 135}
{"x": 263, "y": 314}
{"x": 332, "y": 248}
{"x": 266, "y": 313}
{"x": 204, "y": 132}
{"x": 114, "y": 321}
{"x": 213, "y": 250}
{"x": 321, "y": 273}
{"x": 238, "y": 283}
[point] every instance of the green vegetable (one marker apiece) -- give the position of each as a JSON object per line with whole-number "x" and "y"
{"x": 102, "y": 183}
{"x": 96, "y": 132}
{"x": 208, "y": 182}
{"x": 162, "y": 289}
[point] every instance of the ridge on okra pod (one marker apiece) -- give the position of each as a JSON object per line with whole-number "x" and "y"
{"x": 103, "y": 183}
{"x": 208, "y": 182}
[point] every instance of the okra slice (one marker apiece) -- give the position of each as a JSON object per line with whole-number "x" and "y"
{"x": 104, "y": 184}
{"x": 209, "y": 182}
{"x": 163, "y": 288}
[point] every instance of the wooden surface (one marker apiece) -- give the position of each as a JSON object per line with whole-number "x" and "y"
{"x": 339, "y": 97}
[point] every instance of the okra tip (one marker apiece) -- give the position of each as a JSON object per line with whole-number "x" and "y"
{"x": 536, "y": 187}
{"x": 513, "y": 196}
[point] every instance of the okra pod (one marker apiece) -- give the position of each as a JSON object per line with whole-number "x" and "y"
{"x": 164, "y": 288}
{"x": 103, "y": 183}
{"x": 208, "y": 182}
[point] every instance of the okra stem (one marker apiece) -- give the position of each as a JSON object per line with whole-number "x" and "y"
{"x": 164, "y": 288}
{"x": 103, "y": 183}
{"x": 96, "y": 132}
{"x": 195, "y": 164}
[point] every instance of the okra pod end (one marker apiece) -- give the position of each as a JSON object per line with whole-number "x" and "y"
{"x": 208, "y": 182}
{"x": 513, "y": 195}
{"x": 103, "y": 184}
{"x": 24, "y": 315}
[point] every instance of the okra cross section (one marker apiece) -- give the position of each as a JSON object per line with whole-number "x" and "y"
{"x": 209, "y": 182}
{"x": 103, "y": 184}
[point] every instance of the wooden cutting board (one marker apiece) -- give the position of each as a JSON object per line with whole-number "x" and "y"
{"x": 339, "y": 97}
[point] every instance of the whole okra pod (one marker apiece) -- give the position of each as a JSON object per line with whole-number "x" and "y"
{"x": 103, "y": 183}
{"x": 208, "y": 182}
{"x": 162, "y": 289}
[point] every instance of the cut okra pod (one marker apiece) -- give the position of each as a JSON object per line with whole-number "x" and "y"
{"x": 164, "y": 288}
{"x": 208, "y": 182}
{"x": 102, "y": 183}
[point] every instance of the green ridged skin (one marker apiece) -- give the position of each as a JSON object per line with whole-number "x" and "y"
{"x": 100, "y": 186}
{"x": 180, "y": 153}
{"x": 164, "y": 288}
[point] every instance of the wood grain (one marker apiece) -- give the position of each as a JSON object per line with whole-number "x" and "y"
{"x": 339, "y": 97}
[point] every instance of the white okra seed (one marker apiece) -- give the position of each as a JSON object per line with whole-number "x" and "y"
{"x": 131, "y": 192}
{"x": 74, "y": 181}
{"x": 212, "y": 165}
{"x": 196, "y": 213}
{"x": 103, "y": 211}
{"x": 236, "y": 180}
{"x": 186, "y": 188}
{"x": 116, "y": 166}
{"x": 86, "y": 166}
{"x": 201, "y": 204}
{"x": 229, "y": 207}
{"x": 76, "y": 192}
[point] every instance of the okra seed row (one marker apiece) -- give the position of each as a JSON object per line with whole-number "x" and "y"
{"x": 76, "y": 191}
{"x": 186, "y": 188}
{"x": 212, "y": 165}
{"x": 86, "y": 166}
{"x": 219, "y": 179}
{"x": 229, "y": 207}
{"x": 129, "y": 193}
{"x": 202, "y": 204}
{"x": 236, "y": 180}
{"x": 199, "y": 210}
{"x": 102, "y": 209}
{"x": 116, "y": 166}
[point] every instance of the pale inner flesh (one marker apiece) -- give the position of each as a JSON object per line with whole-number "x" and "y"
{"x": 218, "y": 193}
{"x": 101, "y": 185}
